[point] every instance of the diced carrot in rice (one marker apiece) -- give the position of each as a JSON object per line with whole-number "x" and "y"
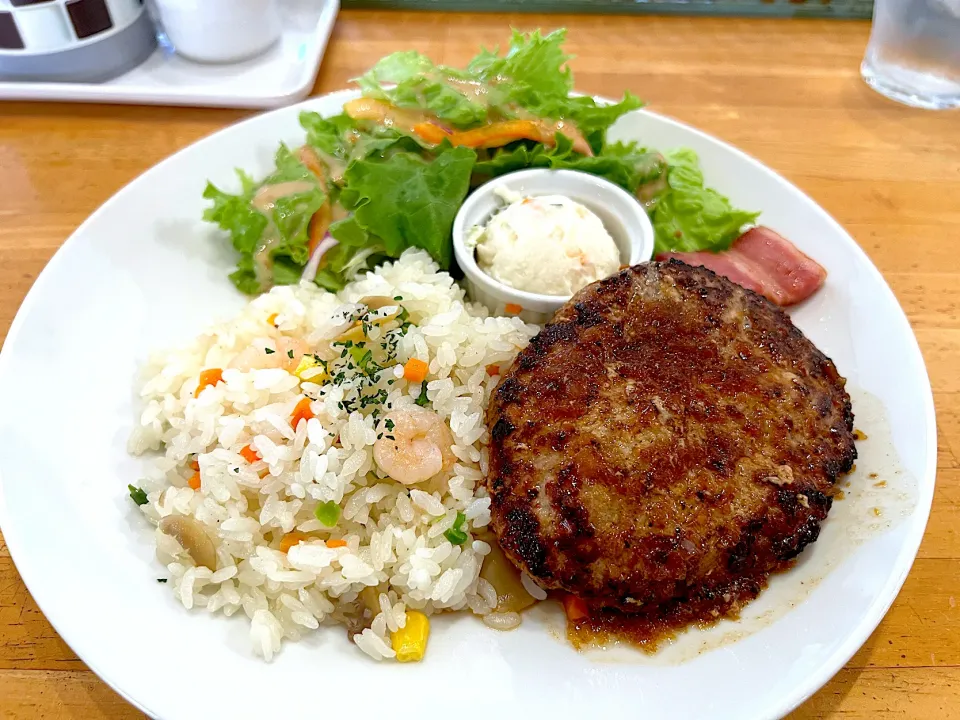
{"x": 415, "y": 370}
{"x": 291, "y": 539}
{"x": 207, "y": 378}
{"x": 249, "y": 454}
{"x": 301, "y": 412}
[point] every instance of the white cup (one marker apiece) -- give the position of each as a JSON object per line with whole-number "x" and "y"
{"x": 219, "y": 31}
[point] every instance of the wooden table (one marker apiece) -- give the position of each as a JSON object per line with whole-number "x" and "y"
{"x": 787, "y": 92}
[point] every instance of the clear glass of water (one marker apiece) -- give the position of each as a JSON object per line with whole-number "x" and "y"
{"x": 914, "y": 52}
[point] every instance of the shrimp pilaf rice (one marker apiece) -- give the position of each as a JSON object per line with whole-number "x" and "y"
{"x": 319, "y": 459}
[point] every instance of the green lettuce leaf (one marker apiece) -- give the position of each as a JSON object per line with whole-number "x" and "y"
{"x": 245, "y": 277}
{"x": 533, "y": 69}
{"x": 328, "y": 134}
{"x": 341, "y": 262}
{"x": 532, "y": 72}
{"x": 234, "y": 214}
{"x": 292, "y": 213}
{"x": 531, "y": 80}
{"x": 285, "y": 229}
{"x": 626, "y": 165}
{"x": 424, "y": 86}
{"x": 690, "y": 217}
{"x": 593, "y": 119}
{"x": 405, "y": 200}
{"x": 534, "y": 76}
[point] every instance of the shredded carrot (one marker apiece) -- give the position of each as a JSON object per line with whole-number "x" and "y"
{"x": 499, "y": 133}
{"x": 320, "y": 222}
{"x": 311, "y": 161}
{"x": 208, "y": 377}
{"x": 430, "y": 132}
{"x": 493, "y": 370}
{"x": 194, "y": 481}
{"x": 301, "y": 412}
{"x": 368, "y": 109}
{"x": 489, "y": 136}
{"x": 385, "y": 114}
{"x": 336, "y": 543}
{"x": 318, "y": 226}
{"x": 513, "y": 309}
{"x": 291, "y": 539}
{"x": 575, "y": 608}
{"x": 272, "y": 319}
{"x": 415, "y": 370}
{"x": 249, "y": 454}
{"x": 195, "y": 465}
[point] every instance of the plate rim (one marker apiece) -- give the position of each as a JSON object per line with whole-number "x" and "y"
{"x": 813, "y": 682}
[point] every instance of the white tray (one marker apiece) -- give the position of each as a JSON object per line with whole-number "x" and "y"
{"x": 282, "y": 75}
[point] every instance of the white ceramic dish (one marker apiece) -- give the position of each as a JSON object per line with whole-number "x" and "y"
{"x": 87, "y": 558}
{"x": 284, "y": 74}
{"x": 220, "y": 31}
{"x": 622, "y": 216}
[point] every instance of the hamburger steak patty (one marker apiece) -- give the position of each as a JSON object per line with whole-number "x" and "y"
{"x": 670, "y": 437}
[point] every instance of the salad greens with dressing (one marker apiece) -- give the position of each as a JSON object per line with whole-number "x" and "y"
{"x": 391, "y": 171}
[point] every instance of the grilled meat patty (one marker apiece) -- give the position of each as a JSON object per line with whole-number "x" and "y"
{"x": 670, "y": 437}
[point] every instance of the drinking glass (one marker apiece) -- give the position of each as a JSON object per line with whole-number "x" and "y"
{"x": 914, "y": 52}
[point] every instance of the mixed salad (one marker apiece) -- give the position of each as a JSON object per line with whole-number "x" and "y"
{"x": 391, "y": 171}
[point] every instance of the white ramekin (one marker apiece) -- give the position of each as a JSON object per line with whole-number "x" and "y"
{"x": 219, "y": 31}
{"x": 622, "y": 216}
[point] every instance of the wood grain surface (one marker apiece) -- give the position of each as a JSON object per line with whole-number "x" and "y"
{"x": 787, "y": 92}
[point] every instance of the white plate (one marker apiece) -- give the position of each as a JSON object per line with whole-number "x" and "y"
{"x": 143, "y": 272}
{"x": 282, "y": 75}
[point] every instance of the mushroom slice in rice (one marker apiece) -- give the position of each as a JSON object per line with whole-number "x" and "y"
{"x": 192, "y": 538}
{"x": 375, "y": 302}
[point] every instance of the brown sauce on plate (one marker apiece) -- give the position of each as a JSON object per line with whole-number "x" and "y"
{"x": 648, "y": 631}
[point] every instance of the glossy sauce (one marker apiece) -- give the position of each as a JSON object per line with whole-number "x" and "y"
{"x": 264, "y": 202}
{"x": 335, "y": 166}
{"x": 267, "y": 197}
{"x": 646, "y": 632}
{"x": 476, "y": 92}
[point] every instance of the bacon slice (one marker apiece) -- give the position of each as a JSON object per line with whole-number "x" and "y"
{"x": 765, "y": 262}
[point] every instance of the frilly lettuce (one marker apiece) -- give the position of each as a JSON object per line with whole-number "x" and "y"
{"x": 406, "y": 200}
{"x": 531, "y": 79}
{"x": 625, "y": 164}
{"x": 690, "y": 217}
{"x": 287, "y": 224}
{"x": 422, "y": 85}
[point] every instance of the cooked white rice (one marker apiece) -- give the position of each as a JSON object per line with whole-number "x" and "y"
{"x": 394, "y": 534}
